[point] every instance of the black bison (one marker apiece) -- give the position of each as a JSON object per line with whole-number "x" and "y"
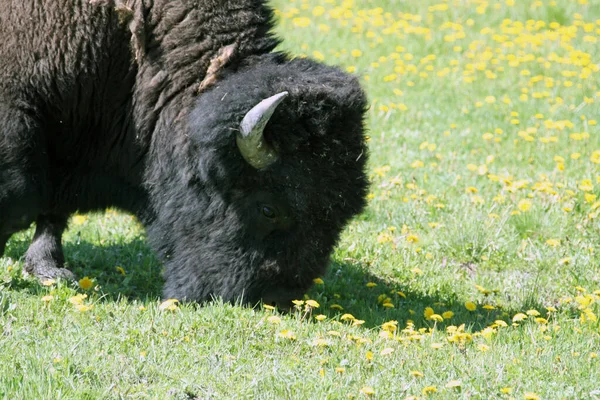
{"x": 243, "y": 164}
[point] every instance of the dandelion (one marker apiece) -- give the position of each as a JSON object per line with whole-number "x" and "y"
{"x": 519, "y": 317}
{"x": 347, "y": 317}
{"x": 301, "y": 22}
{"x": 371, "y": 284}
{"x": 318, "y": 281}
{"x": 412, "y": 238}
{"x": 417, "y": 374}
{"x": 169, "y": 305}
{"x": 531, "y": 396}
{"x": 47, "y": 298}
{"x": 367, "y": 390}
{"x": 86, "y": 283}
{"x": 312, "y": 304}
{"x": 120, "y": 270}
{"x": 274, "y": 319}
{"x": 320, "y": 317}
{"x": 287, "y": 334}
{"x": 469, "y": 305}
{"x": 79, "y": 219}
{"x": 447, "y": 314}
{"x": 427, "y": 390}
{"x": 524, "y": 205}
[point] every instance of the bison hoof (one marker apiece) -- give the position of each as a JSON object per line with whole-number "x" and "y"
{"x": 47, "y": 269}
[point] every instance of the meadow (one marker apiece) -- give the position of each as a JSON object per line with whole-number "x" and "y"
{"x": 474, "y": 272}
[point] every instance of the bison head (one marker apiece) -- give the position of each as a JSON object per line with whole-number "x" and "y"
{"x": 273, "y": 169}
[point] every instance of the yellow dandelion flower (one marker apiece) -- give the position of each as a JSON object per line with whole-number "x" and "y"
{"x": 301, "y": 22}
{"x": 287, "y": 334}
{"x": 437, "y": 346}
{"x": 427, "y": 390}
{"x": 47, "y": 298}
{"x": 78, "y": 299}
{"x": 169, "y": 305}
{"x": 318, "y": 281}
{"x": 469, "y": 305}
{"x": 48, "y": 282}
{"x": 83, "y": 307}
{"x": 553, "y": 242}
{"x": 369, "y": 356}
{"x": 336, "y": 307}
{"x": 312, "y": 304}
{"x": 320, "y": 317}
{"x": 274, "y": 319}
{"x": 417, "y": 374}
{"x": 86, "y": 283}
{"x": 524, "y": 205}
{"x": 347, "y": 317}
{"x": 531, "y": 396}
{"x": 120, "y": 270}
{"x": 367, "y": 390}
{"x": 436, "y": 318}
{"x": 371, "y": 284}
{"x": 79, "y": 219}
{"x": 447, "y": 314}
{"x": 428, "y": 312}
{"x": 519, "y": 317}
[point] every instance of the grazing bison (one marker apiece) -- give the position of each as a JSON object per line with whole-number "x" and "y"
{"x": 243, "y": 164}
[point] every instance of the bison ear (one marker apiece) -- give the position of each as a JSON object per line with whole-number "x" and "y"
{"x": 250, "y": 139}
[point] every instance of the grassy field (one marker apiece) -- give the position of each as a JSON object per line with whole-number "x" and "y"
{"x": 474, "y": 273}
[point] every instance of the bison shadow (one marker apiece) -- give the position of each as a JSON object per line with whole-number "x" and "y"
{"x": 131, "y": 271}
{"x": 350, "y": 285}
{"x": 128, "y": 270}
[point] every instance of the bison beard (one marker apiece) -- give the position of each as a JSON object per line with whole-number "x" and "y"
{"x": 243, "y": 164}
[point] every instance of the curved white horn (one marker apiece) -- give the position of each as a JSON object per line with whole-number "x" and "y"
{"x": 250, "y": 140}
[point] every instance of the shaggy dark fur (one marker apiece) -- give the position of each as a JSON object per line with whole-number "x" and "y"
{"x": 136, "y": 104}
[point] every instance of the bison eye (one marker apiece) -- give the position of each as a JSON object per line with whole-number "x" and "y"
{"x": 268, "y": 211}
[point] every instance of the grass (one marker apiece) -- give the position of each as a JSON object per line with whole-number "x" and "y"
{"x": 474, "y": 272}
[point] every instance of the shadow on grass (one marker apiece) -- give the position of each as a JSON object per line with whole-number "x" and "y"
{"x": 127, "y": 270}
{"x": 131, "y": 271}
{"x": 345, "y": 285}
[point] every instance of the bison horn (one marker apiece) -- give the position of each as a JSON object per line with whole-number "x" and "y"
{"x": 250, "y": 140}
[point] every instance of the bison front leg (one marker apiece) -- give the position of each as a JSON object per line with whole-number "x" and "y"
{"x": 44, "y": 258}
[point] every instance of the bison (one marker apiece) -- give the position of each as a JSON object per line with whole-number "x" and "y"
{"x": 243, "y": 163}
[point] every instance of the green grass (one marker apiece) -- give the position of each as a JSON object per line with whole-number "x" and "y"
{"x": 474, "y": 198}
